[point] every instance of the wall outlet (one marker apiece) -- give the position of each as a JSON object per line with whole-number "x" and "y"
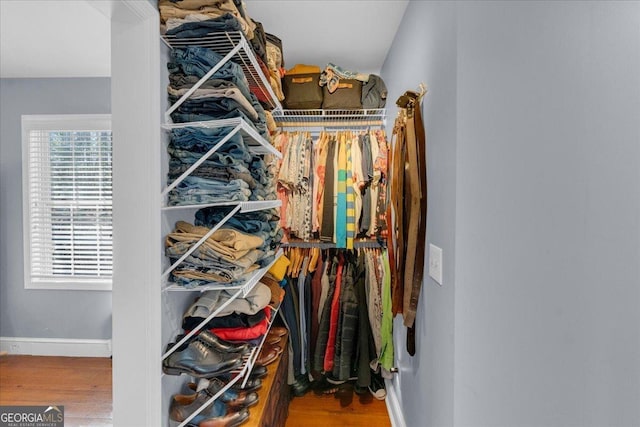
{"x": 435, "y": 263}
{"x": 15, "y": 348}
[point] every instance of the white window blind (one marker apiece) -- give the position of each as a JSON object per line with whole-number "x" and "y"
{"x": 67, "y": 190}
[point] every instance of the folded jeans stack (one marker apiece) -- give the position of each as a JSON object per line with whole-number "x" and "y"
{"x": 264, "y": 224}
{"x": 229, "y": 174}
{"x": 176, "y": 13}
{"x": 194, "y": 62}
{"x": 226, "y": 257}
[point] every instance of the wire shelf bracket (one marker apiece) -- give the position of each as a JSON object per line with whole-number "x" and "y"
{"x": 233, "y": 45}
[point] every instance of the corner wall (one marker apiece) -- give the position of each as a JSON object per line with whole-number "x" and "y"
{"x": 538, "y": 213}
{"x": 30, "y": 313}
{"x": 548, "y": 214}
{"x": 424, "y": 386}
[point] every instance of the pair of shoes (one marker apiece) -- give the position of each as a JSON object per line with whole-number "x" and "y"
{"x": 268, "y": 354}
{"x": 232, "y": 398}
{"x": 377, "y": 387}
{"x": 217, "y": 414}
{"x": 183, "y": 405}
{"x": 275, "y": 334}
{"x": 201, "y": 361}
{"x": 258, "y": 371}
{"x": 253, "y": 383}
{"x": 218, "y": 343}
{"x": 232, "y": 419}
{"x": 278, "y": 330}
{"x": 301, "y": 385}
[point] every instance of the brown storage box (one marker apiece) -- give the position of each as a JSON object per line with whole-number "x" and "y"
{"x": 301, "y": 91}
{"x": 348, "y": 95}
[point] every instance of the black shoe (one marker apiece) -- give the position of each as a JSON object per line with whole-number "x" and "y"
{"x": 377, "y": 387}
{"x": 301, "y": 385}
{"x": 219, "y": 344}
{"x": 200, "y": 361}
{"x": 258, "y": 371}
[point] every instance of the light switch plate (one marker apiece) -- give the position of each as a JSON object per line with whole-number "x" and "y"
{"x": 435, "y": 263}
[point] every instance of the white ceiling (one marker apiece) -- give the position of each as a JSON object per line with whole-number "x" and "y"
{"x": 71, "y": 38}
{"x": 352, "y": 34}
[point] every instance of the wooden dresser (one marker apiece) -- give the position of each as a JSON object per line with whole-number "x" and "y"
{"x": 273, "y": 408}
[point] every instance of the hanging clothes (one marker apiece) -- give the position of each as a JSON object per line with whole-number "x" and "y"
{"x": 342, "y": 312}
{"x": 333, "y": 186}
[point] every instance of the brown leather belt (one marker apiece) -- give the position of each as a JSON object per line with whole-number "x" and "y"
{"x": 409, "y": 195}
{"x": 397, "y": 228}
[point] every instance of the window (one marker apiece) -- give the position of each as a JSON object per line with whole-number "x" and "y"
{"x": 67, "y": 198}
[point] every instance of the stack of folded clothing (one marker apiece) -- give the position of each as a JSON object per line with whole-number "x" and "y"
{"x": 228, "y": 256}
{"x": 242, "y": 320}
{"x": 190, "y": 19}
{"x": 224, "y": 176}
{"x": 264, "y": 224}
{"x": 231, "y": 173}
{"x": 183, "y": 14}
{"x": 225, "y": 95}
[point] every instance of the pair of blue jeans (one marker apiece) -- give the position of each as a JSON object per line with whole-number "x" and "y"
{"x": 194, "y": 190}
{"x": 225, "y": 174}
{"x": 201, "y": 140}
{"x": 198, "y": 61}
{"x": 226, "y": 22}
{"x": 215, "y": 159}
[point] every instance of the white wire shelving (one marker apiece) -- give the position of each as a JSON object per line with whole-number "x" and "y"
{"x": 246, "y": 368}
{"x": 344, "y": 119}
{"x": 233, "y": 45}
{"x": 256, "y": 144}
{"x": 241, "y": 374}
{"x": 241, "y": 290}
{"x": 245, "y": 288}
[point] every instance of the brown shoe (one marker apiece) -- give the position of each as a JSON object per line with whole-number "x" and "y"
{"x": 278, "y": 330}
{"x": 268, "y": 354}
{"x": 183, "y": 405}
{"x": 237, "y": 399}
{"x": 272, "y": 339}
{"x": 232, "y": 419}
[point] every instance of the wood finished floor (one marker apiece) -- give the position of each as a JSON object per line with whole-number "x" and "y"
{"x": 83, "y": 386}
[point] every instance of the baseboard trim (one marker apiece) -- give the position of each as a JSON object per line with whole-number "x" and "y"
{"x": 56, "y": 347}
{"x": 393, "y": 406}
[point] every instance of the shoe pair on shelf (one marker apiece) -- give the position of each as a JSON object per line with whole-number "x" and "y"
{"x": 274, "y": 336}
{"x": 217, "y": 414}
{"x": 271, "y": 348}
{"x": 253, "y": 383}
{"x": 205, "y": 356}
{"x": 234, "y": 399}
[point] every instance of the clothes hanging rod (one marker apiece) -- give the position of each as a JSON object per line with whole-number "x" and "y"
{"x": 342, "y": 124}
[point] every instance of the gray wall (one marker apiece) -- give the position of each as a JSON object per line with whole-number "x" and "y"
{"x": 546, "y": 105}
{"x": 424, "y": 50}
{"x": 548, "y": 211}
{"x": 42, "y": 313}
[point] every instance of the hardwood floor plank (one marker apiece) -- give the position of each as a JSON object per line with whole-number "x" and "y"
{"x": 344, "y": 409}
{"x": 83, "y": 386}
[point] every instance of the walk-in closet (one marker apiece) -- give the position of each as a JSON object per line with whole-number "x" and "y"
{"x": 277, "y": 226}
{"x": 263, "y": 203}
